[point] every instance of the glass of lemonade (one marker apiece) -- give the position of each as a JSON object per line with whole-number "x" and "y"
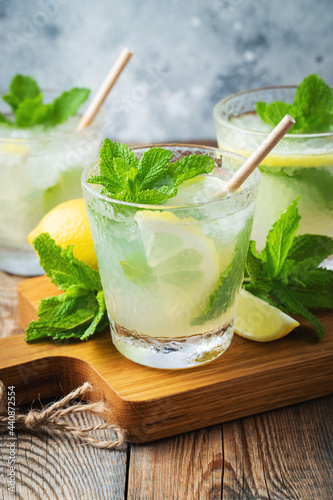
{"x": 171, "y": 273}
{"x": 301, "y": 164}
{"x": 39, "y": 168}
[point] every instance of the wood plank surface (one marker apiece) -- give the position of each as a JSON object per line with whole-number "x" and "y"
{"x": 150, "y": 404}
{"x": 189, "y": 466}
{"x": 49, "y": 468}
{"x": 278, "y": 455}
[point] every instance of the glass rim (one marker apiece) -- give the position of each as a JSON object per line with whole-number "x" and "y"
{"x": 62, "y": 135}
{"x": 219, "y": 119}
{"x": 233, "y": 196}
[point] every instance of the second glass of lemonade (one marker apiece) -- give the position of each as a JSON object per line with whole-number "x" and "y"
{"x": 301, "y": 164}
{"x": 39, "y": 169}
{"x": 171, "y": 273}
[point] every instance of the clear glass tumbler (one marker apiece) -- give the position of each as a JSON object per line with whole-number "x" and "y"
{"x": 301, "y": 164}
{"x": 171, "y": 274}
{"x": 39, "y": 168}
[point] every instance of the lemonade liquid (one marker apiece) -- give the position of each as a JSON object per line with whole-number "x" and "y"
{"x": 39, "y": 169}
{"x": 298, "y": 165}
{"x": 161, "y": 266}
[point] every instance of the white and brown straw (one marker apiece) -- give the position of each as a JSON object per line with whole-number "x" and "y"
{"x": 104, "y": 89}
{"x": 256, "y": 157}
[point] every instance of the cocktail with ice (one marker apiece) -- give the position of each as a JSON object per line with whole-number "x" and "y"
{"x": 41, "y": 162}
{"x": 171, "y": 271}
{"x": 301, "y": 164}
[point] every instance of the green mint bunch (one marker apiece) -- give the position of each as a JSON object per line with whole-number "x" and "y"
{"x": 312, "y": 108}
{"x": 151, "y": 180}
{"x": 285, "y": 272}
{"x": 77, "y": 313}
{"x": 26, "y": 101}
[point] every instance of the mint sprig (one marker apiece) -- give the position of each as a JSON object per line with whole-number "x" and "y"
{"x": 312, "y": 108}
{"x": 150, "y": 180}
{"x": 285, "y": 272}
{"x": 26, "y": 101}
{"x": 228, "y": 285}
{"x": 77, "y": 313}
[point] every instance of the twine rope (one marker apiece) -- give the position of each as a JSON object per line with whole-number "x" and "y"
{"x": 54, "y": 417}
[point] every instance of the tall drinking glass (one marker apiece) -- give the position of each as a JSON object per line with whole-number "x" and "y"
{"x": 301, "y": 164}
{"x": 39, "y": 168}
{"x": 171, "y": 273}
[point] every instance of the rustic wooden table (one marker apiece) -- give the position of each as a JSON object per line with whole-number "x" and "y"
{"x": 282, "y": 454}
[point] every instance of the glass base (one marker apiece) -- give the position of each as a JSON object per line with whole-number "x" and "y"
{"x": 21, "y": 262}
{"x": 172, "y": 354}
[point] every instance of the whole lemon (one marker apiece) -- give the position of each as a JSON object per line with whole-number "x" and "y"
{"x": 68, "y": 224}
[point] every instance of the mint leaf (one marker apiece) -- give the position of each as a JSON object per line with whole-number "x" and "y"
{"x": 62, "y": 267}
{"x": 153, "y": 166}
{"x": 189, "y": 167}
{"x": 78, "y": 312}
{"x": 285, "y": 273}
{"x": 135, "y": 268}
{"x": 151, "y": 180}
{"x": 280, "y": 239}
{"x": 21, "y": 88}
{"x": 311, "y": 248}
{"x": 32, "y": 112}
{"x": 4, "y": 120}
{"x": 26, "y": 101}
{"x": 291, "y": 303}
{"x": 66, "y": 105}
{"x": 262, "y": 290}
{"x": 312, "y": 107}
{"x": 75, "y": 314}
{"x": 147, "y": 197}
{"x": 111, "y": 185}
{"x": 111, "y": 150}
{"x": 219, "y": 300}
{"x": 314, "y": 99}
{"x": 229, "y": 283}
{"x": 253, "y": 264}
{"x": 314, "y": 287}
{"x": 100, "y": 320}
{"x": 274, "y": 112}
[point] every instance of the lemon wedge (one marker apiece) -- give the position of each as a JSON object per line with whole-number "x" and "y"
{"x": 259, "y": 321}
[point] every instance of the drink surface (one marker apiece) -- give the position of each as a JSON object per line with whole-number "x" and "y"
{"x": 161, "y": 267}
{"x": 298, "y": 166}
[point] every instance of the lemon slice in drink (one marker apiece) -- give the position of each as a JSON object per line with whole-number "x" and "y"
{"x": 182, "y": 259}
{"x": 257, "y": 320}
{"x": 14, "y": 149}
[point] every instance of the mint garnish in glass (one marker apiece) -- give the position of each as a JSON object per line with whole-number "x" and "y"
{"x": 41, "y": 160}
{"x": 27, "y": 108}
{"x": 312, "y": 108}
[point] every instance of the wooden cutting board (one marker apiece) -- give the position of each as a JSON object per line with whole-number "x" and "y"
{"x": 248, "y": 378}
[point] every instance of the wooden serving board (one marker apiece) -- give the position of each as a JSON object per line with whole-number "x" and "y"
{"x": 248, "y": 378}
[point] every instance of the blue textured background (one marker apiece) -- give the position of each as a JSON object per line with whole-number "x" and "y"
{"x": 188, "y": 54}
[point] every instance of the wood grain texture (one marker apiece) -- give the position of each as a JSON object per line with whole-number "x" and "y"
{"x": 49, "y": 468}
{"x": 187, "y": 467}
{"x": 151, "y": 404}
{"x": 285, "y": 454}
{"x": 9, "y": 311}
